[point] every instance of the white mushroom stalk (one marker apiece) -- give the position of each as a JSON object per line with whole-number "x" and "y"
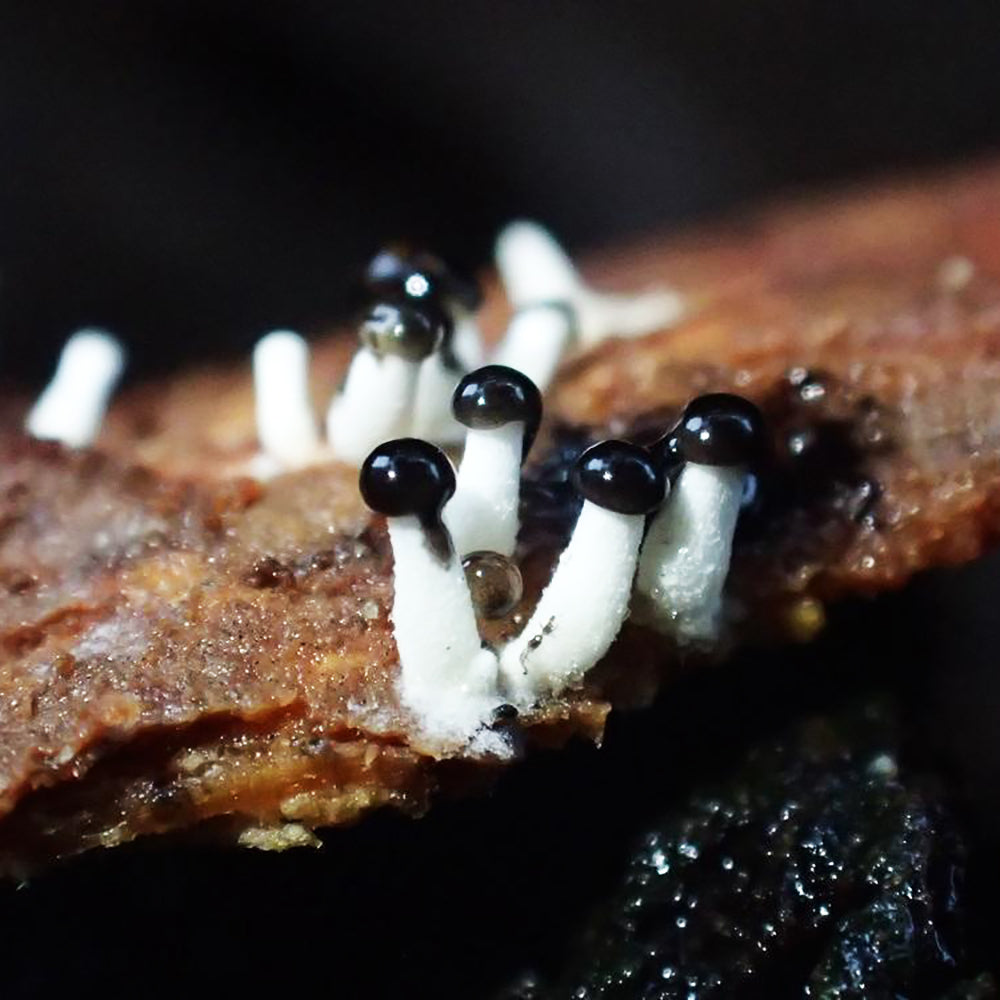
{"x": 377, "y": 399}
{"x": 286, "y": 421}
{"x": 440, "y": 373}
{"x": 534, "y": 268}
{"x": 447, "y": 678}
{"x": 71, "y": 408}
{"x": 501, "y": 409}
{"x": 581, "y": 611}
{"x": 432, "y": 417}
{"x": 536, "y": 339}
{"x": 688, "y": 549}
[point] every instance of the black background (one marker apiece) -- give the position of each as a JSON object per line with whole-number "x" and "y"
{"x": 192, "y": 174}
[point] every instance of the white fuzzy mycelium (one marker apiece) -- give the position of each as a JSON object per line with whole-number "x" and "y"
{"x": 500, "y": 409}
{"x": 286, "y": 421}
{"x": 581, "y": 611}
{"x": 71, "y": 408}
{"x": 535, "y": 269}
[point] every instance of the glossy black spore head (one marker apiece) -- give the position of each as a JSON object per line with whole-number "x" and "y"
{"x": 621, "y": 477}
{"x": 494, "y": 396}
{"x": 412, "y": 331}
{"x": 721, "y": 429}
{"x": 407, "y": 477}
{"x": 396, "y": 272}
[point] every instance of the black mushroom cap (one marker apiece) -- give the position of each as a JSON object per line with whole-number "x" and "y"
{"x": 412, "y": 331}
{"x": 396, "y": 273}
{"x": 720, "y": 429}
{"x": 495, "y": 395}
{"x": 407, "y": 477}
{"x": 621, "y": 477}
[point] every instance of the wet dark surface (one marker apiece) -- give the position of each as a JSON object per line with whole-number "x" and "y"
{"x": 455, "y": 905}
{"x": 823, "y": 865}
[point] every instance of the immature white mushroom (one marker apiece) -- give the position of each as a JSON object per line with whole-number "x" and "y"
{"x": 71, "y": 408}
{"x": 582, "y": 609}
{"x": 501, "y": 409}
{"x": 397, "y": 275}
{"x": 536, "y": 339}
{"x": 447, "y": 678}
{"x": 286, "y": 421}
{"x": 376, "y": 401}
{"x": 685, "y": 559}
{"x": 535, "y": 268}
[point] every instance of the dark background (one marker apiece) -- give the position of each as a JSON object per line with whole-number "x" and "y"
{"x": 192, "y": 174}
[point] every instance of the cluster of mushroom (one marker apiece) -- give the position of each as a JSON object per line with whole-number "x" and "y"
{"x": 447, "y": 529}
{"x": 417, "y": 339}
{"x": 654, "y": 535}
{"x": 419, "y": 336}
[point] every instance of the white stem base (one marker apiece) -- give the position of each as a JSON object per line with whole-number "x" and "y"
{"x": 447, "y": 679}
{"x": 685, "y": 559}
{"x": 483, "y": 513}
{"x": 581, "y": 610}
{"x": 375, "y": 405}
{"x": 535, "y": 342}
{"x": 71, "y": 408}
{"x": 286, "y": 422}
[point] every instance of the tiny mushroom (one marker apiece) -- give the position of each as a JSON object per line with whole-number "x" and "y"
{"x": 71, "y": 407}
{"x": 536, "y": 339}
{"x": 502, "y": 410}
{"x": 394, "y": 275}
{"x": 582, "y": 609}
{"x": 376, "y": 401}
{"x": 685, "y": 559}
{"x": 286, "y": 422}
{"x": 535, "y": 268}
{"x": 447, "y": 678}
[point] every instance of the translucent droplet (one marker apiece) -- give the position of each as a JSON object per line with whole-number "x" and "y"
{"x": 494, "y": 582}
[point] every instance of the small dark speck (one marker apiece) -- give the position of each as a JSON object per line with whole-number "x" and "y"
{"x": 503, "y": 716}
{"x": 19, "y": 583}
{"x": 268, "y": 572}
{"x": 861, "y": 503}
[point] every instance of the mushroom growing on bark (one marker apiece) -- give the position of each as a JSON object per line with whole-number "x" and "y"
{"x": 534, "y": 269}
{"x": 582, "y": 609}
{"x": 377, "y": 399}
{"x": 686, "y": 555}
{"x": 501, "y": 409}
{"x": 447, "y": 677}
